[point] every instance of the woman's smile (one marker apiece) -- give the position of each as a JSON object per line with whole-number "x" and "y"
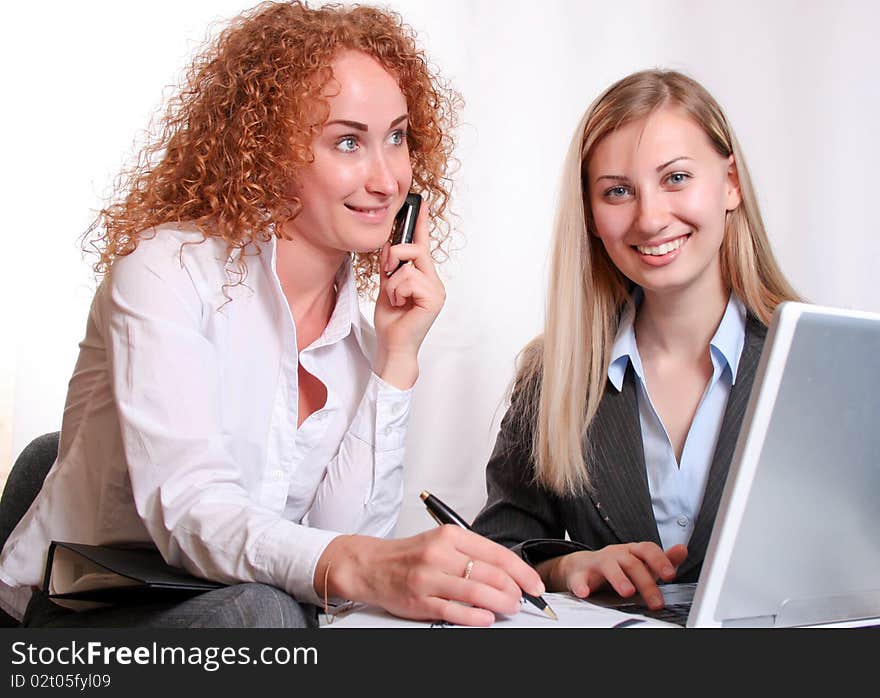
{"x": 663, "y": 253}
{"x": 369, "y": 214}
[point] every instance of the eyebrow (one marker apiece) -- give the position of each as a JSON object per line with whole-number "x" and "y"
{"x": 660, "y": 168}
{"x": 358, "y": 126}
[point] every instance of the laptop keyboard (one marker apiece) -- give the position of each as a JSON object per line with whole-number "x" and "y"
{"x": 678, "y": 599}
{"x": 672, "y": 613}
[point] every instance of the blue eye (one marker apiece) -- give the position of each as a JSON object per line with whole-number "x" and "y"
{"x": 347, "y": 144}
{"x": 678, "y": 178}
{"x": 617, "y": 192}
{"x": 398, "y": 137}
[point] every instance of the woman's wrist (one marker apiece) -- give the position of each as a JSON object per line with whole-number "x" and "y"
{"x": 552, "y": 574}
{"x": 333, "y": 574}
{"x": 399, "y": 369}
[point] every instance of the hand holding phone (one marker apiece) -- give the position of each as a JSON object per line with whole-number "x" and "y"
{"x": 405, "y": 223}
{"x": 409, "y": 298}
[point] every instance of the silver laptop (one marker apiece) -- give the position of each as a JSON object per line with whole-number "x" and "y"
{"x": 797, "y": 538}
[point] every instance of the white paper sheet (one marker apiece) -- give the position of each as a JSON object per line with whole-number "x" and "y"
{"x": 572, "y": 611}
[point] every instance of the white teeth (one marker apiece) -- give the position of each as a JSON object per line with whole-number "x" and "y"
{"x": 665, "y": 248}
{"x": 368, "y": 211}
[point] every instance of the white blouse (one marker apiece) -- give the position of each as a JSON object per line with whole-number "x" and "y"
{"x": 180, "y": 425}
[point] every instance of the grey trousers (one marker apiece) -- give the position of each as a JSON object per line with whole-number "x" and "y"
{"x": 238, "y": 606}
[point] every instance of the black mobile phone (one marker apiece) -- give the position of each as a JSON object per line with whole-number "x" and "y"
{"x": 405, "y": 223}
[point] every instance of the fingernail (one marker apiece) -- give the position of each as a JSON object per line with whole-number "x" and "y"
{"x": 655, "y": 601}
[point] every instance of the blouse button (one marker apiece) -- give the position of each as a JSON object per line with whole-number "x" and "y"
{"x": 682, "y": 521}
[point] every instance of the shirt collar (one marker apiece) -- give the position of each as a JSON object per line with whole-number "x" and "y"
{"x": 728, "y": 341}
{"x": 346, "y": 315}
{"x": 726, "y": 344}
{"x": 624, "y": 349}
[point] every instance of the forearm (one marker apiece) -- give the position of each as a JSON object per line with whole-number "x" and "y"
{"x": 400, "y": 369}
{"x": 552, "y": 574}
{"x": 231, "y": 539}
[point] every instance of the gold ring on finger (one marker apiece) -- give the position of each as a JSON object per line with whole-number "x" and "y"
{"x": 468, "y": 568}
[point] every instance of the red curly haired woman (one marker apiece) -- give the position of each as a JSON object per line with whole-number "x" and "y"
{"x": 229, "y": 404}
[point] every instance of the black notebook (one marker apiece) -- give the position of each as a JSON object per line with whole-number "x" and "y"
{"x": 82, "y": 576}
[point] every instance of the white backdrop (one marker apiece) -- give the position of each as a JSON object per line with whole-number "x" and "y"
{"x": 798, "y": 80}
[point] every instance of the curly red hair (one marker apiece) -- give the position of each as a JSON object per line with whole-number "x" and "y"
{"x": 241, "y": 125}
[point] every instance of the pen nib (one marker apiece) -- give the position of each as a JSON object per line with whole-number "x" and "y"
{"x": 550, "y": 612}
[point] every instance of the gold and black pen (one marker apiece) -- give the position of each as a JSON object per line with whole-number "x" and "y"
{"x": 444, "y": 515}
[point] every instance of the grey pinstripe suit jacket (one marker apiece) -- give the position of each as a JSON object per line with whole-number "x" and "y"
{"x": 533, "y": 521}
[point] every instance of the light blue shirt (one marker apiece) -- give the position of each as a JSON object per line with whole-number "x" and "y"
{"x": 677, "y": 489}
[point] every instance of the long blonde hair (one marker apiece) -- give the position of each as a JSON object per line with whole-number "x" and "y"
{"x": 562, "y": 373}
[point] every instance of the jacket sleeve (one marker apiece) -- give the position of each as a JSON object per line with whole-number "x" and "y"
{"x": 519, "y": 513}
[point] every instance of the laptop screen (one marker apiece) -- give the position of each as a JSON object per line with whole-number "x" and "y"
{"x": 795, "y": 541}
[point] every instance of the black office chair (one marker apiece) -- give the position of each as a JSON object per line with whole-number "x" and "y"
{"x": 25, "y": 480}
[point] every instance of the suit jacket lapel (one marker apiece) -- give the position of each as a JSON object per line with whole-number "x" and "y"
{"x": 730, "y": 426}
{"x": 620, "y": 481}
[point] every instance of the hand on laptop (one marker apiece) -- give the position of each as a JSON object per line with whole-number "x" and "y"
{"x": 627, "y": 568}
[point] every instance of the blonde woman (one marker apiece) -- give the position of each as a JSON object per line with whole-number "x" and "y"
{"x": 626, "y": 410}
